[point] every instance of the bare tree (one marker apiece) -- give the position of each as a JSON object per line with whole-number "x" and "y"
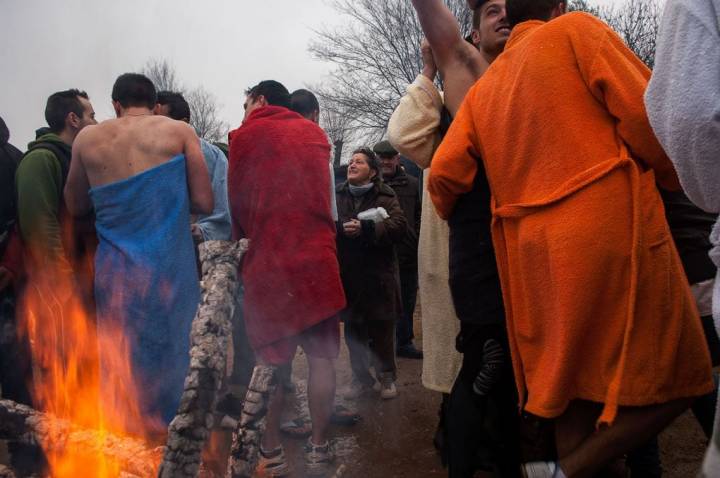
{"x": 376, "y": 53}
{"x": 162, "y": 74}
{"x": 339, "y": 125}
{"x": 204, "y": 108}
{"x": 636, "y": 21}
{"x": 204, "y": 115}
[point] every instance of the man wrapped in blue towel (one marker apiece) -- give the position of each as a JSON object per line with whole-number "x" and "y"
{"x": 144, "y": 175}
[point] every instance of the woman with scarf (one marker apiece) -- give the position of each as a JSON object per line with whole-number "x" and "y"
{"x": 370, "y": 224}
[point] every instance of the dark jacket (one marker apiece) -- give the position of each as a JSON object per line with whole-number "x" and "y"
{"x": 690, "y": 227}
{"x": 9, "y": 160}
{"x": 474, "y": 279}
{"x": 407, "y": 189}
{"x": 51, "y": 237}
{"x": 368, "y": 263}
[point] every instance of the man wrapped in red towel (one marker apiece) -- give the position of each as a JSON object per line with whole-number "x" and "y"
{"x": 279, "y": 191}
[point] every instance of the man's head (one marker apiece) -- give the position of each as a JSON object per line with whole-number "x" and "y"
{"x": 490, "y": 27}
{"x": 266, "y": 93}
{"x": 4, "y": 132}
{"x": 173, "y": 105}
{"x": 67, "y": 112}
{"x": 523, "y": 10}
{"x": 133, "y": 90}
{"x": 306, "y": 104}
{"x": 389, "y": 158}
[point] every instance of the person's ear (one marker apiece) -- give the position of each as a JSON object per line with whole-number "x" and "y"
{"x": 475, "y": 36}
{"x": 261, "y": 100}
{"x": 117, "y": 107}
{"x": 73, "y": 121}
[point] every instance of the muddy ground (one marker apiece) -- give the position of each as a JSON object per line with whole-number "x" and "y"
{"x": 394, "y": 438}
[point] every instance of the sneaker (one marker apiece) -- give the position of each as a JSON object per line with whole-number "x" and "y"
{"x": 542, "y": 469}
{"x": 354, "y": 390}
{"x": 388, "y": 391}
{"x": 318, "y": 458}
{"x": 273, "y": 463}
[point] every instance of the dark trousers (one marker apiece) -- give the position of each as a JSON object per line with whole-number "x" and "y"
{"x": 371, "y": 343}
{"x": 15, "y": 381}
{"x": 483, "y": 432}
{"x": 408, "y": 291}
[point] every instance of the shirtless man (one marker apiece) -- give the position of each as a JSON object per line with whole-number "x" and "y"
{"x": 144, "y": 175}
{"x": 472, "y": 431}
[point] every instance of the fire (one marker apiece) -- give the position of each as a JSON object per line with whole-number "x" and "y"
{"x": 82, "y": 375}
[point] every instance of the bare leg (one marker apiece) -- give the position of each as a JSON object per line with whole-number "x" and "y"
{"x": 584, "y": 451}
{"x": 271, "y": 437}
{"x": 321, "y": 395}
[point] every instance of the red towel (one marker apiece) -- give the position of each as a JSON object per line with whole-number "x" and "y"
{"x": 279, "y": 191}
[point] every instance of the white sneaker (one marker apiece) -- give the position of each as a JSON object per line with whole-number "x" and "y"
{"x": 389, "y": 391}
{"x": 542, "y": 469}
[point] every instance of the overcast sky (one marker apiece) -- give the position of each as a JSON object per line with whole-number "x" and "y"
{"x": 225, "y": 45}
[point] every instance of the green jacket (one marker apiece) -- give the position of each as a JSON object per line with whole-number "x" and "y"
{"x": 40, "y": 183}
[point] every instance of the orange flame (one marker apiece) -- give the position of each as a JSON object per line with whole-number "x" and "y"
{"x": 82, "y": 374}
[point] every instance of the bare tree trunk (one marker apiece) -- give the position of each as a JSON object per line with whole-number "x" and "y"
{"x": 338, "y": 153}
{"x": 210, "y": 335}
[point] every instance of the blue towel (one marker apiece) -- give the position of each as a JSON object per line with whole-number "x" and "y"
{"x": 146, "y": 277}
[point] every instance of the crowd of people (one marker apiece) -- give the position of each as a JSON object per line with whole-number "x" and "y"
{"x": 550, "y": 205}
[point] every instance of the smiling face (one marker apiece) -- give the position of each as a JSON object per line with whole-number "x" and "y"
{"x": 359, "y": 171}
{"x": 492, "y": 29}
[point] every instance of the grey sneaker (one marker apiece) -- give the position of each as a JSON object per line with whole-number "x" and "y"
{"x": 388, "y": 391}
{"x": 273, "y": 463}
{"x": 318, "y": 458}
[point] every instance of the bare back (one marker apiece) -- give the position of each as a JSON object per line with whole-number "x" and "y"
{"x": 121, "y": 148}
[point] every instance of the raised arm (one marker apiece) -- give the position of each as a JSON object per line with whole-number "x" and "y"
{"x": 683, "y": 99}
{"x": 454, "y": 165}
{"x": 414, "y": 127}
{"x": 459, "y": 62}
{"x": 198, "y": 178}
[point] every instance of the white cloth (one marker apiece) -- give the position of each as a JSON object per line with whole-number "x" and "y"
{"x": 414, "y": 130}
{"x": 683, "y": 103}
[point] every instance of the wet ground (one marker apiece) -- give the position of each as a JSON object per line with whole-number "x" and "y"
{"x": 394, "y": 438}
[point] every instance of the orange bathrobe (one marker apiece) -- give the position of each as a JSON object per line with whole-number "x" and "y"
{"x": 598, "y": 307}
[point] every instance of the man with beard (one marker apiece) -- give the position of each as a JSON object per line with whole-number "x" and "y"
{"x": 589, "y": 272}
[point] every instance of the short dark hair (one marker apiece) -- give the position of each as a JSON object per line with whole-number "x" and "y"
{"x": 178, "y": 107}
{"x": 60, "y": 105}
{"x": 477, "y": 14}
{"x": 134, "y": 89}
{"x": 274, "y": 92}
{"x": 304, "y": 102}
{"x": 519, "y": 11}
{"x": 373, "y": 160}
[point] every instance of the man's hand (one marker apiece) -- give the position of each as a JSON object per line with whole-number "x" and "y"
{"x": 197, "y": 234}
{"x": 7, "y": 278}
{"x": 429, "y": 67}
{"x": 352, "y": 228}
